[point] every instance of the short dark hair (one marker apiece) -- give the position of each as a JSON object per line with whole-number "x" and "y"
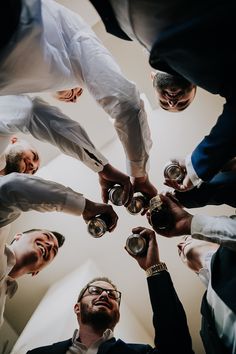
{"x": 107, "y": 280}
{"x": 60, "y": 238}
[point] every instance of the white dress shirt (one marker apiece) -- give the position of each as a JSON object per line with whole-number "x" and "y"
{"x": 217, "y": 229}
{"x": 78, "y": 348}
{"x": 46, "y": 123}
{"x": 54, "y": 49}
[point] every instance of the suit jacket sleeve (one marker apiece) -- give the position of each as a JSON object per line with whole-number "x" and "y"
{"x": 169, "y": 319}
{"x": 218, "y": 147}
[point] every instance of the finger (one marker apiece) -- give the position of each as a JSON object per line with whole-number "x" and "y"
{"x": 127, "y": 194}
{"x": 138, "y": 229}
{"x": 144, "y": 211}
{"x": 113, "y": 219}
{"x": 105, "y": 195}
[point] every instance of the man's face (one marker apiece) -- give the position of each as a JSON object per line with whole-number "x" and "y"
{"x": 98, "y": 311}
{"x": 191, "y": 250}
{"x": 173, "y": 92}
{"x": 69, "y": 95}
{"x": 21, "y": 159}
{"x": 35, "y": 250}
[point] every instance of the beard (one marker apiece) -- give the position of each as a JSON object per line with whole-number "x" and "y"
{"x": 99, "y": 320}
{"x": 164, "y": 81}
{"x": 13, "y": 160}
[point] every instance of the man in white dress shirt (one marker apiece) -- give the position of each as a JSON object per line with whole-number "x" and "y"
{"x": 54, "y": 49}
{"x": 29, "y": 253}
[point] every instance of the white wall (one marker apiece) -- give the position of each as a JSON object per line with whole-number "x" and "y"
{"x": 8, "y": 338}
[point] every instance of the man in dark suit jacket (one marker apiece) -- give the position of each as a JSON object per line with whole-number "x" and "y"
{"x": 216, "y": 267}
{"x": 97, "y": 311}
{"x": 190, "y": 40}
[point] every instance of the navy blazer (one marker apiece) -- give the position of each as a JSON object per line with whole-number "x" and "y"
{"x": 194, "y": 39}
{"x": 223, "y": 267}
{"x": 220, "y": 190}
{"x": 169, "y": 319}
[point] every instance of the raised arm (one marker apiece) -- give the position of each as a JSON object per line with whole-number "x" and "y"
{"x": 20, "y": 192}
{"x": 47, "y": 123}
{"x": 216, "y": 229}
{"x": 169, "y": 319}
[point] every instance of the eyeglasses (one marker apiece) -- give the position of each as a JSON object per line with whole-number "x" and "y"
{"x": 97, "y": 290}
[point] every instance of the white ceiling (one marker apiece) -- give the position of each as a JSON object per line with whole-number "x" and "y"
{"x": 170, "y": 138}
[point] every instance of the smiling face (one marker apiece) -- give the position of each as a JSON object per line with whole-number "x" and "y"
{"x": 174, "y": 93}
{"x": 34, "y": 251}
{"x": 100, "y": 311}
{"x": 21, "y": 157}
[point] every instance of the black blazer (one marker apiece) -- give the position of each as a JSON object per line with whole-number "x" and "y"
{"x": 223, "y": 267}
{"x": 171, "y": 330}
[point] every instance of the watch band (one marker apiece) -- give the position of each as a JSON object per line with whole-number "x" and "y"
{"x": 155, "y": 269}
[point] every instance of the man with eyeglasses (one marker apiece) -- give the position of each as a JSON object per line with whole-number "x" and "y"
{"x": 98, "y": 311}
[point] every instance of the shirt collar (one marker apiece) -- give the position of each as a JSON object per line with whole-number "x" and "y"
{"x": 107, "y": 334}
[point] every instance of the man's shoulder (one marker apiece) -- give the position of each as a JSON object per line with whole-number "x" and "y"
{"x": 55, "y": 348}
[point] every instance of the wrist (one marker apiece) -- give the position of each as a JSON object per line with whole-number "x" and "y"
{"x": 139, "y": 179}
{"x": 156, "y": 269}
{"x": 187, "y": 226}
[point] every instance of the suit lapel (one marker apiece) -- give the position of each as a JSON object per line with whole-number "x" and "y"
{"x": 61, "y": 347}
{"x": 114, "y": 346}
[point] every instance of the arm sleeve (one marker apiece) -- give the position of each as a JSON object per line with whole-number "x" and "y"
{"x": 169, "y": 319}
{"x": 217, "y": 229}
{"x": 116, "y": 95}
{"x": 21, "y": 192}
{"x": 218, "y": 147}
{"x": 49, "y": 124}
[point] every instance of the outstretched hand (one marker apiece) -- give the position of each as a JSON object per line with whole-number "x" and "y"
{"x": 183, "y": 186}
{"x": 109, "y": 177}
{"x": 152, "y": 255}
{"x": 93, "y": 209}
{"x": 144, "y": 186}
{"x": 182, "y": 219}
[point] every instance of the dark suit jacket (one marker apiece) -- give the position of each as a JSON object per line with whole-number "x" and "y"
{"x": 220, "y": 190}
{"x": 223, "y": 268}
{"x": 193, "y": 39}
{"x": 171, "y": 330}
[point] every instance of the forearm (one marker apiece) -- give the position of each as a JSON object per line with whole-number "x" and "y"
{"x": 169, "y": 319}
{"x": 216, "y": 229}
{"x": 120, "y": 99}
{"x": 49, "y": 124}
{"x": 20, "y": 192}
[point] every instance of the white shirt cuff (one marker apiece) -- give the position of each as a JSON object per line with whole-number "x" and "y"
{"x": 74, "y": 204}
{"x": 196, "y": 181}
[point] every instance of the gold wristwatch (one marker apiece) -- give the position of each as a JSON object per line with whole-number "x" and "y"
{"x": 155, "y": 269}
